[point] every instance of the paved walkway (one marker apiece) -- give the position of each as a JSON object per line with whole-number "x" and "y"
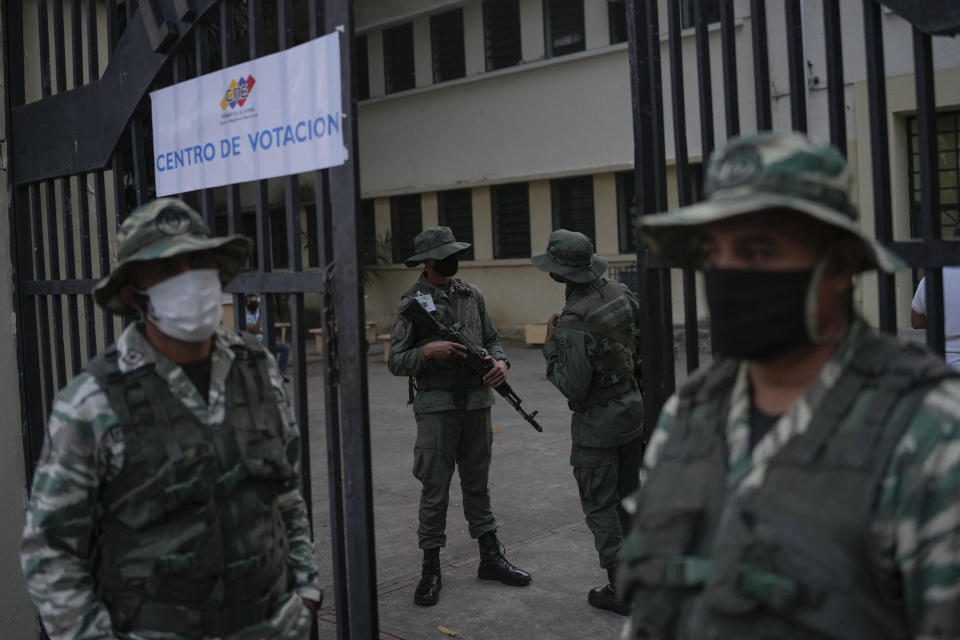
{"x": 534, "y": 499}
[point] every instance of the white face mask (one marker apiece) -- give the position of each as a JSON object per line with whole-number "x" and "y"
{"x": 187, "y": 306}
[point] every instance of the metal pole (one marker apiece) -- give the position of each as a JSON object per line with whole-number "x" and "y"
{"x": 879, "y": 155}
{"x": 350, "y": 341}
{"x": 929, "y": 181}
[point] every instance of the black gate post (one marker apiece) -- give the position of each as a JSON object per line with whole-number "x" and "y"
{"x": 363, "y": 622}
{"x": 653, "y": 277}
{"x": 24, "y": 307}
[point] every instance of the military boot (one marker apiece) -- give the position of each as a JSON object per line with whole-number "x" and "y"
{"x": 605, "y": 597}
{"x": 428, "y": 589}
{"x": 494, "y": 566}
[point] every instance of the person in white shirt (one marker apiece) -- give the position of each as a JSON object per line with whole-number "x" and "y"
{"x": 951, "y": 312}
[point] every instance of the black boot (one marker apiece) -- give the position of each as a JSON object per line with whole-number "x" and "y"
{"x": 605, "y": 597}
{"x": 494, "y": 566}
{"x": 428, "y": 589}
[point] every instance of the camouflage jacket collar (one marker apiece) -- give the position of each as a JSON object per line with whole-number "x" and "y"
{"x": 135, "y": 351}
{"x": 456, "y": 286}
{"x": 747, "y": 468}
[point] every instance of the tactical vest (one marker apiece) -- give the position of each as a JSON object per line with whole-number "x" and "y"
{"x": 794, "y": 558}
{"x": 191, "y": 539}
{"x": 603, "y": 308}
{"x": 462, "y": 315}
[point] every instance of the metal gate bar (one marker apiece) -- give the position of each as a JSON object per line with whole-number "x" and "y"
{"x": 761, "y": 64}
{"x": 728, "y": 54}
{"x": 931, "y": 253}
{"x": 363, "y": 617}
{"x": 796, "y": 63}
{"x": 929, "y": 181}
{"x": 66, "y": 216}
{"x": 834, "y": 54}
{"x": 879, "y": 155}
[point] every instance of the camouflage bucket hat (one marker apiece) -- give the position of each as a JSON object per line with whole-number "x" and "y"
{"x": 768, "y": 171}
{"x": 434, "y": 243}
{"x": 570, "y": 254}
{"x": 161, "y": 229}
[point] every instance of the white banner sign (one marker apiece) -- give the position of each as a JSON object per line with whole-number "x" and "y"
{"x": 273, "y": 116}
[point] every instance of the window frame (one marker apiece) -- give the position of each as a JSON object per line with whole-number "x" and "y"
{"x": 391, "y": 37}
{"x": 490, "y": 57}
{"x": 560, "y": 197}
{"x": 443, "y": 211}
{"x": 496, "y": 222}
{"x": 400, "y": 250}
{"x": 438, "y": 24}
{"x": 549, "y": 11}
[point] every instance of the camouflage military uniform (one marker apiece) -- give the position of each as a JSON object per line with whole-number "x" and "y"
{"x": 448, "y": 436}
{"x": 835, "y": 519}
{"x": 915, "y": 524}
{"x": 591, "y": 360}
{"x": 86, "y": 455}
{"x": 607, "y": 422}
{"x": 452, "y": 408}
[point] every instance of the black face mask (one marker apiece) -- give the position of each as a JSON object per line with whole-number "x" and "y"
{"x": 253, "y": 306}
{"x": 448, "y": 266}
{"x": 757, "y": 315}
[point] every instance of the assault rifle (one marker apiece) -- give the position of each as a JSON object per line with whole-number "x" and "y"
{"x": 411, "y": 310}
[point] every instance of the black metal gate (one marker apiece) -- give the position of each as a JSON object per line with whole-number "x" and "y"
{"x": 929, "y": 252}
{"x": 77, "y": 77}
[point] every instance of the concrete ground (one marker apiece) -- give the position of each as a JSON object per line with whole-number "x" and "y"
{"x": 534, "y": 500}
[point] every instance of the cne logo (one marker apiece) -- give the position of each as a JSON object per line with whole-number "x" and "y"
{"x": 237, "y": 93}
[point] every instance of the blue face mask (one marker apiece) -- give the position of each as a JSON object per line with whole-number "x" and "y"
{"x": 758, "y": 315}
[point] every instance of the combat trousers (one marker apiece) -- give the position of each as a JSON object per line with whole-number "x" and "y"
{"x": 606, "y": 475}
{"x": 448, "y": 440}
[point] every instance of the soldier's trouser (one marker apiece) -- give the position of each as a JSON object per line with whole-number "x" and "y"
{"x": 446, "y": 440}
{"x": 605, "y": 475}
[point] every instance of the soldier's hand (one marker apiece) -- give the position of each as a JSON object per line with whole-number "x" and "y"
{"x": 313, "y": 605}
{"x": 496, "y": 376}
{"x": 552, "y": 327}
{"x": 444, "y": 350}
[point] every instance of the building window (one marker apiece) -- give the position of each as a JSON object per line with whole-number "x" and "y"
{"x": 626, "y": 188}
{"x": 563, "y": 27}
{"x": 405, "y": 223}
{"x": 501, "y": 33}
{"x": 362, "y": 68}
{"x": 398, "y": 65}
{"x": 710, "y": 9}
{"x": 446, "y": 41}
{"x": 455, "y": 210}
{"x": 572, "y": 200}
{"x": 948, "y": 154}
{"x": 617, "y": 15}
{"x": 510, "y": 204}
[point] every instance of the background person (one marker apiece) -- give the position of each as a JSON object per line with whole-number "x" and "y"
{"x": 951, "y": 313}
{"x": 806, "y": 484}
{"x": 255, "y": 326}
{"x": 452, "y": 408}
{"x": 166, "y": 502}
{"x": 590, "y": 352}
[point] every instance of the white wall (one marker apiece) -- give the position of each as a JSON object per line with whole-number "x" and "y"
{"x": 535, "y": 120}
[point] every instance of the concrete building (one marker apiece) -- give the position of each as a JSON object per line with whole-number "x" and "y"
{"x": 508, "y": 118}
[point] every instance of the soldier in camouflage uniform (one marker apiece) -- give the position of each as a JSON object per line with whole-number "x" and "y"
{"x": 166, "y": 502}
{"x": 807, "y": 484}
{"x": 590, "y": 352}
{"x": 452, "y": 408}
